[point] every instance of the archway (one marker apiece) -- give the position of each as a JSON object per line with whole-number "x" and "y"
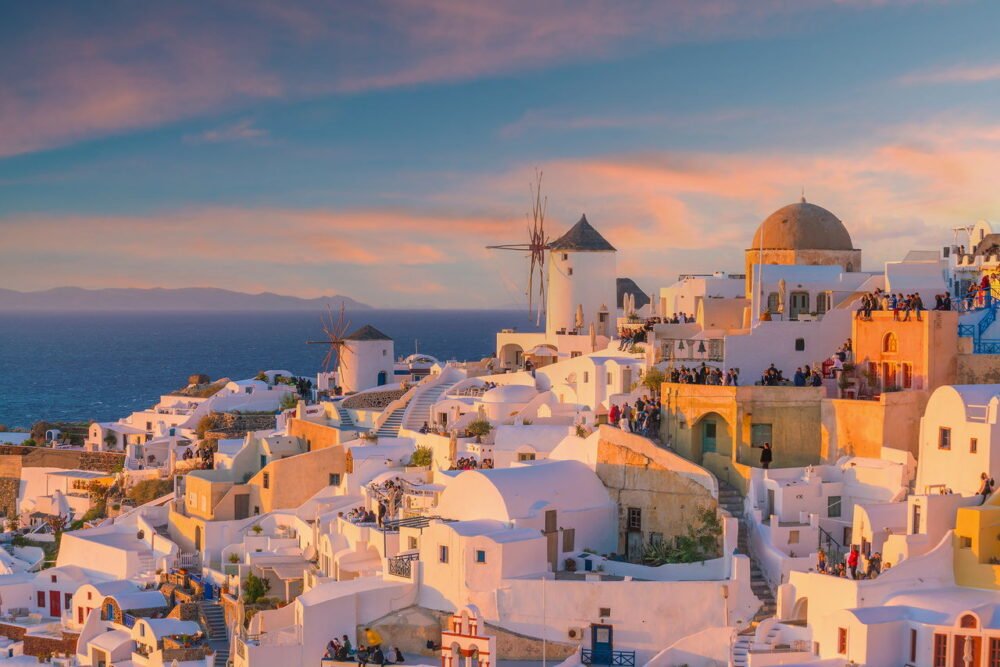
{"x": 800, "y": 611}
{"x": 511, "y": 356}
{"x": 710, "y": 435}
{"x": 197, "y": 538}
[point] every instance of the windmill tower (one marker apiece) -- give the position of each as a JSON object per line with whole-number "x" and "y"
{"x": 372, "y": 360}
{"x": 334, "y": 362}
{"x": 581, "y": 282}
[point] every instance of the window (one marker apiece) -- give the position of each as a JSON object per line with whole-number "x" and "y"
{"x": 823, "y": 302}
{"x": 602, "y": 317}
{"x": 149, "y": 426}
{"x": 940, "y": 650}
{"x": 443, "y": 554}
{"x": 267, "y": 480}
{"x": 569, "y": 539}
{"x": 609, "y": 377}
{"x": 634, "y": 518}
{"x": 973, "y": 445}
{"x": 793, "y": 537}
{"x": 569, "y": 271}
{"x": 842, "y": 641}
{"x": 480, "y": 556}
{"x": 944, "y": 438}
{"x": 656, "y": 538}
{"x": 800, "y": 344}
{"x": 772, "y": 302}
{"x": 142, "y": 629}
{"x": 565, "y": 257}
{"x": 964, "y": 542}
{"x": 969, "y": 621}
{"x": 334, "y": 479}
{"x": 759, "y": 434}
{"x": 54, "y": 579}
{"x": 575, "y": 354}
{"x": 604, "y": 612}
{"x": 586, "y": 377}
{"x": 526, "y": 456}
{"x": 256, "y": 509}
{"x": 994, "y": 653}
{"x": 68, "y": 600}
{"x": 833, "y": 507}
{"x": 913, "y": 645}
{"x": 889, "y": 343}
{"x": 907, "y": 371}
{"x": 412, "y": 542}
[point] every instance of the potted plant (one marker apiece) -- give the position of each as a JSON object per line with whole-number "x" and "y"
{"x": 234, "y": 558}
{"x": 257, "y": 529}
{"x": 479, "y": 428}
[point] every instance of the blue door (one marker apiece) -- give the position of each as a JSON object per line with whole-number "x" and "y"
{"x": 601, "y": 643}
{"x": 381, "y": 378}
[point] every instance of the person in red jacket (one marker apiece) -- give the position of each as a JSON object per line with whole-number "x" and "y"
{"x": 614, "y": 414}
{"x": 852, "y": 562}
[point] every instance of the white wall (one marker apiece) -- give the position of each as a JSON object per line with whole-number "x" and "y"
{"x": 592, "y": 285}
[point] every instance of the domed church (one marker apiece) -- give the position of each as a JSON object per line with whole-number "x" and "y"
{"x": 802, "y": 233}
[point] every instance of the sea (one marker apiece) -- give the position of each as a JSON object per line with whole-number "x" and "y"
{"x": 87, "y": 366}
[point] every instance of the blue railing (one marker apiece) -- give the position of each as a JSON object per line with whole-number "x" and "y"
{"x": 128, "y": 620}
{"x": 612, "y": 658}
{"x": 976, "y": 331}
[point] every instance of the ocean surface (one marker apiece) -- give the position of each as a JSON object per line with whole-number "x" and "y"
{"x": 82, "y": 366}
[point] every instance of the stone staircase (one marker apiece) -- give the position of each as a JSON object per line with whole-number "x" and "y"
{"x": 218, "y": 634}
{"x": 147, "y": 562}
{"x": 420, "y": 407}
{"x": 390, "y": 427}
{"x": 731, "y": 500}
{"x": 345, "y": 417}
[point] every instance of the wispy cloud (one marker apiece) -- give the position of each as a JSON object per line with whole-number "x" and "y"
{"x": 239, "y": 131}
{"x": 69, "y": 76}
{"x": 960, "y": 74}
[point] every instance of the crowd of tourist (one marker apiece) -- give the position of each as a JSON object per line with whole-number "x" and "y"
{"x": 855, "y": 566}
{"x": 642, "y": 417}
{"x": 704, "y": 374}
{"x": 372, "y": 653}
{"x": 980, "y": 295}
{"x": 898, "y": 303}
{"x": 469, "y": 463}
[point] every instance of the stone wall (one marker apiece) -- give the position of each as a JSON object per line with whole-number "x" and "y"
{"x": 669, "y": 490}
{"x": 978, "y": 368}
{"x": 411, "y": 628}
{"x": 233, "y": 425}
{"x": 42, "y": 647}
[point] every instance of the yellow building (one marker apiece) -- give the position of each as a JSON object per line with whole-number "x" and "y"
{"x": 977, "y": 545}
{"x": 723, "y": 428}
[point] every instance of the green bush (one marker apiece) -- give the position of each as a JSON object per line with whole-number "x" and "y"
{"x": 289, "y": 401}
{"x": 702, "y": 542}
{"x": 479, "y": 428}
{"x": 149, "y": 490}
{"x": 255, "y": 588}
{"x": 423, "y": 456}
{"x": 653, "y": 380}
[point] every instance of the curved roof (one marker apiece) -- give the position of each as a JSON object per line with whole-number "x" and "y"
{"x": 802, "y": 226}
{"x": 505, "y": 494}
{"x": 582, "y": 237}
{"x": 510, "y": 393}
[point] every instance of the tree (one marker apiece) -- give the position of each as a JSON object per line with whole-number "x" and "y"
{"x": 422, "y": 456}
{"x": 479, "y": 428}
{"x": 254, "y": 588}
{"x": 654, "y": 379}
{"x": 110, "y": 440}
{"x": 702, "y": 542}
{"x": 207, "y": 423}
{"x": 289, "y": 401}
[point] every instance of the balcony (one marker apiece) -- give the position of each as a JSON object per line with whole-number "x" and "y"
{"x": 402, "y": 565}
{"x": 612, "y": 658}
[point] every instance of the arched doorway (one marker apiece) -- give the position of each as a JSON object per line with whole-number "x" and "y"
{"x": 710, "y": 436}
{"x": 800, "y": 611}
{"x": 511, "y": 356}
{"x": 197, "y": 538}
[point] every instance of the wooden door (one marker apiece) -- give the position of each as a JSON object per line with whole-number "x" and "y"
{"x": 959, "y": 651}
{"x": 55, "y": 604}
{"x": 242, "y": 508}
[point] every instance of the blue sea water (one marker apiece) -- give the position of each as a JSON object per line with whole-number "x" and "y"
{"x": 84, "y": 366}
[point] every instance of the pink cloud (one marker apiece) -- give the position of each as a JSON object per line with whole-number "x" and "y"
{"x": 240, "y": 131}
{"x": 953, "y": 75}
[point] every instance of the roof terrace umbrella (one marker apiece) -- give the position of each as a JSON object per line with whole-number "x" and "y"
{"x": 781, "y": 295}
{"x": 593, "y": 338}
{"x": 579, "y": 316}
{"x": 652, "y": 305}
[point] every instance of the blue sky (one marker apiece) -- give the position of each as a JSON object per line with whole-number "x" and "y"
{"x": 373, "y": 150}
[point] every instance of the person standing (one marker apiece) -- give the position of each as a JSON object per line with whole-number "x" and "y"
{"x": 985, "y": 487}
{"x": 766, "y": 456}
{"x": 852, "y": 562}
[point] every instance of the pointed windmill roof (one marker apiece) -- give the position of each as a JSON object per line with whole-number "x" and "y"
{"x": 367, "y": 332}
{"x": 581, "y": 236}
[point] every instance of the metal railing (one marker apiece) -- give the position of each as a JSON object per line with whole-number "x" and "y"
{"x": 402, "y": 565}
{"x": 834, "y": 550}
{"x": 612, "y": 658}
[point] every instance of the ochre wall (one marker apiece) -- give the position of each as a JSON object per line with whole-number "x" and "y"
{"x": 318, "y": 436}
{"x": 638, "y": 474}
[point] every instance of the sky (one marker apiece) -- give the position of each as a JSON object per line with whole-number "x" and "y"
{"x": 374, "y": 149}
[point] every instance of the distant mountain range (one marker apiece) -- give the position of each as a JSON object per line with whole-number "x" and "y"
{"x": 188, "y": 298}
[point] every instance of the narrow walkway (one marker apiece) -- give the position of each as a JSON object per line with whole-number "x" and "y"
{"x": 731, "y": 500}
